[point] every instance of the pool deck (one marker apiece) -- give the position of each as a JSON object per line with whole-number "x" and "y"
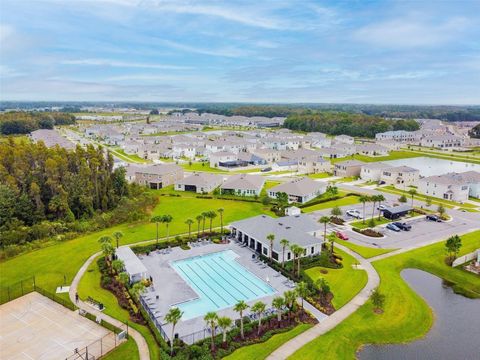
{"x": 172, "y": 289}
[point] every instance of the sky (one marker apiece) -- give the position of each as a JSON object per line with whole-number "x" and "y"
{"x": 357, "y": 51}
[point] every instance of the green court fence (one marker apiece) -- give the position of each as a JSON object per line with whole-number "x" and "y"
{"x": 16, "y": 290}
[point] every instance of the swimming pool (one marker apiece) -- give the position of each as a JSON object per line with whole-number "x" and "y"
{"x": 219, "y": 281}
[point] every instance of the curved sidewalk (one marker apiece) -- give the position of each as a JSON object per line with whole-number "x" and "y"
{"x": 337, "y": 317}
{"x": 139, "y": 339}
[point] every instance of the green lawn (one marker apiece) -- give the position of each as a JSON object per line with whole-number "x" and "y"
{"x": 344, "y": 283}
{"x": 127, "y": 350}
{"x": 50, "y": 264}
{"x": 347, "y": 200}
{"x": 127, "y": 157}
{"x": 201, "y": 166}
{"x": 406, "y": 316}
{"x": 393, "y": 155}
{"x": 262, "y": 350}
{"x": 90, "y": 286}
{"x": 361, "y": 225}
{"x": 364, "y": 251}
{"x": 319, "y": 175}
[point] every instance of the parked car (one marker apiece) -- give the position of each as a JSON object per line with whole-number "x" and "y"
{"x": 354, "y": 213}
{"x": 267, "y": 169}
{"x": 393, "y": 227}
{"x": 433, "y": 218}
{"x": 341, "y": 235}
{"x": 381, "y": 207}
{"x": 403, "y": 226}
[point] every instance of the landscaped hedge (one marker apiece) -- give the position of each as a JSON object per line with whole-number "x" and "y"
{"x": 324, "y": 200}
{"x": 368, "y": 232}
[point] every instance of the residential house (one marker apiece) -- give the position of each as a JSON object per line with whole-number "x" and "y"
{"x": 314, "y": 164}
{"x": 371, "y": 150}
{"x": 268, "y": 155}
{"x": 452, "y": 186}
{"x": 202, "y": 182}
{"x": 243, "y": 184}
{"x": 443, "y": 141}
{"x": 401, "y": 136}
{"x": 300, "y": 230}
{"x": 156, "y": 176}
{"x": 299, "y": 190}
{"x": 344, "y": 139}
{"x": 400, "y": 175}
{"x": 222, "y": 157}
{"x": 373, "y": 171}
{"x": 348, "y": 168}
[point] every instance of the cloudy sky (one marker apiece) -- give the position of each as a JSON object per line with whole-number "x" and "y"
{"x": 417, "y": 52}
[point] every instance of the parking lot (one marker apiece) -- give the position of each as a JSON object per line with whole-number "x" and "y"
{"x": 422, "y": 232}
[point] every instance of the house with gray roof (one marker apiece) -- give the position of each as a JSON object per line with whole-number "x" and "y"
{"x": 243, "y": 184}
{"x": 400, "y": 175}
{"x": 373, "y": 171}
{"x": 452, "y": 186}
{"x": 155, "y": 176}
{"x": 299, "y": 229}
{"x": 133, "y": 266}
{"x": 201, "y": 182}
{"x": 348, "y": 168}
{"x": 51, "y": 138}
{"x": 299, "y": 190}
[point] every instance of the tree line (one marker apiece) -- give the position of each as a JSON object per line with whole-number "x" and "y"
{"x": 338, "y": 123}
{"x": 22, "y": 122}
{"x": 44, "y": 188}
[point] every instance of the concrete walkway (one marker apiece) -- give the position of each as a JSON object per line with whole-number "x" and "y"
{"x": 337, "y": 317}
{"x": 139, "y": 339}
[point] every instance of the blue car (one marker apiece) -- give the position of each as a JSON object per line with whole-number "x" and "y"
{"x": 393, "y": 227}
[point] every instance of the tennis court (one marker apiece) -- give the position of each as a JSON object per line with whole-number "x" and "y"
{"x": 35, "y": 327}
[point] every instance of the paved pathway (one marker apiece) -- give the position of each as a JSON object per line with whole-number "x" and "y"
{"x": 337, "y": 317}
{"x": 139, "y": 339}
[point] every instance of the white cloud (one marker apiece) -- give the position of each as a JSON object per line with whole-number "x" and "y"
{"x": 410, "y": 32}
{"x": 223, "y": 52}
{"x": 125, "y": 64}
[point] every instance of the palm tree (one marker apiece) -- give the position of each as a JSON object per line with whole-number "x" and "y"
{"x": 204, "y": 216}
{"x": 290, "y": 298}
{"x": 278, "y": 303}
{"x": 117, "y": 235}
{"x": 107, "y": 250}
{"x": 137, "y": 289}
{"x": 364, "y": 199}
{"x": 271, "y": 238}
{"x": 332, "y": 237}
{"x": 118, "y": 265}
{"x": 412, "y": 193}
{"x": 302, "y": 290}
{"x": 156, "y": 219}
{"x": 336, "y": 212}
{"x": 211, "y": 319}
{"x": 259, "y": 308}
{"x": 224, "y": 322}
{"x": 300, "y": 251}
{"x": 173, "y": 316}
{"x": 105, "y": 239}
{"x": 211, "y": 215}
{"x": 292, "y": 250}
{"x": 284, "y": 243}
{"x": 240, "y": 307}
{"x": 380, "y": 199}
{"x": 123, "y": 278}
{"x": 324, "y": 220}
{"x": 199, "y": 220}
{"x": 220, "y": 211}
{"x": 167, "y": 219}
{"x": 322, "y": 286}
{"x": 374, "y": 199}
{"x": 189, "y": 222}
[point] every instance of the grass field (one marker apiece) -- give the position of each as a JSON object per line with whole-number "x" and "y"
{"x": 262, "y": 350}
{"x": 406, "y": 316}
{"x": 394, "y": 155}
{"x": 347, "y": 200}
{"x": 127, "y": 157}
{"x": 201, "y": 166}
{"x": 51, "y": 264}
{"x": 361, "y": 225}
{"x": 127, "y": 350}
{"x": 344, "y": 283}
{"x": 319, "y": 175}
{"x": 364, "y": 251}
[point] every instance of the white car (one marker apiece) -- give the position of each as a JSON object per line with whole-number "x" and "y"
{"x": 354, "y": 213}
{"x": 381, "y": 207}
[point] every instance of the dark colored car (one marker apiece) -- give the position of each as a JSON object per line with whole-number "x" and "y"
{"x": 403, "y": 226}
{"x": 433, "y": 218}
{"x": 391, "y": 226}
{"x": 267, "y": 169}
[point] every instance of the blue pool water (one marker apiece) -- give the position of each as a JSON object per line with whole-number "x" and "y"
{"x": 219, "y": 281}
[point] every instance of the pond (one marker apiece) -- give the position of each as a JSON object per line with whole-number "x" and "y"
{"x": 433, "y": 166}
{"x": 456, "y": 330}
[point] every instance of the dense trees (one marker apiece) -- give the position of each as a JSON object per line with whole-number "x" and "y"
{"x": 475, "y": 132}
{"x": 42, "y": 190}
{"x": 337, "y": 123}
{"x": 25, "y": 122}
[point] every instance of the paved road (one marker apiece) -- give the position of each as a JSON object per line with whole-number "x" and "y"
{"x": 337, "y": 317}
{"x": 139, "y": 339}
